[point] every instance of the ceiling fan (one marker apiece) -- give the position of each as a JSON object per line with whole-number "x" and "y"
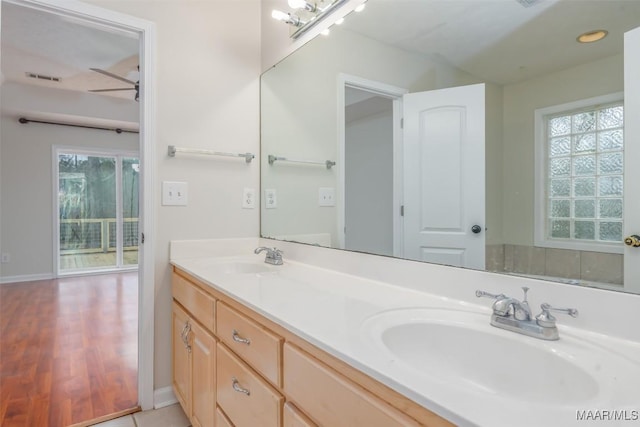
{"x": 136, "y": 85}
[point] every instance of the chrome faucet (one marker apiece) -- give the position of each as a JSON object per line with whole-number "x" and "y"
{"x": 515, "y": 316}
{"x": 274, "y": 255}
{"x": 506, "y": 305}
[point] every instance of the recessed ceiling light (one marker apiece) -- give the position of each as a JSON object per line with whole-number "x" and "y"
{"x": 592, "y": 36}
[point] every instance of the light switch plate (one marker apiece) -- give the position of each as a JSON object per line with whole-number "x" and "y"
{"x": 249, "y": 198}
{"x": 326, "y": 196}
{"x": 174, "y": 193}
{"x": 270, "y": 200}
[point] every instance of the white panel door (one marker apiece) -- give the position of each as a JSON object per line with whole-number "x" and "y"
{"x": 444, "y": 194}
{"x": 632, "y": 154}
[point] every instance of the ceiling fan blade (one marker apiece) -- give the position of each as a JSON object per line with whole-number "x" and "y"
{"x": 111, "y": 90}
{"x": 115, "y": 76}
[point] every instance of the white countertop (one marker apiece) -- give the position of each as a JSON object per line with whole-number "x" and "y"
{"x": 336, "y": 311}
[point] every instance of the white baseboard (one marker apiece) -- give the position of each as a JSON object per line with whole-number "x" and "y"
{"x": 25, "y": 278}
{"x": 163, "y": 397}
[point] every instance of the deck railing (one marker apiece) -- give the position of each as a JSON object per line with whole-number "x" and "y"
{"x": 96, "y": 235}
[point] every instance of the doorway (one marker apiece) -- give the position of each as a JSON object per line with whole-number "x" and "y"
{"x": 368, "y": 186}
{"x": 97, "y": 211}
{"x": 370, "y": 166}
{"x": 108, "y": 20}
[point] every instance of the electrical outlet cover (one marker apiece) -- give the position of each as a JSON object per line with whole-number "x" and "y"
{"x": 326, "y": 196}
{"x": 249, "y": 198}
{"x": 270, "y": 199}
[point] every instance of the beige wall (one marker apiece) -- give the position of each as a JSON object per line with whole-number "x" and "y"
{"x": 520, "y": 101}
{"x": 207, "y": 75}
{"x": 27, "y": 210}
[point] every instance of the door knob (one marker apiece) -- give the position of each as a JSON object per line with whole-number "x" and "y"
{"x": 633, "y": 240}
{"x": 476, "y": 229}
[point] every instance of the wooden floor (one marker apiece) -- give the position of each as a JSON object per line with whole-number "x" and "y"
{"x": 68, "y": 349}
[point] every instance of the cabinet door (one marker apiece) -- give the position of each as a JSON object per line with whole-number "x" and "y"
{"x": 181, "y": 359}
{"x": 203, "y": 347}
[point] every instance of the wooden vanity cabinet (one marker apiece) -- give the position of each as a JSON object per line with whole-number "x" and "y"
{"x": 203, "y": 365}
{"x": 181, "y": 358}
{"x": 221, "y": 419}
{"x": 194, "y": 349}
{"x": 294, "y": 418}
{"x": 246, "y": 398}
{"x": 253, "y": 372}
{"x": 332, "y": 399}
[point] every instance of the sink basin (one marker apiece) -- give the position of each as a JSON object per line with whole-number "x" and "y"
{"x": 461, "y": 349}
{"x": 242, "y": 267}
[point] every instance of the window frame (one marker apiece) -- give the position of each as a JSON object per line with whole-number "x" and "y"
{"x": 541, "y": 179}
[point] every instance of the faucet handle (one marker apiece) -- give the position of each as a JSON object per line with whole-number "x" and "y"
{"x": 485, "y": 294}
{"x": 547, "y": 320}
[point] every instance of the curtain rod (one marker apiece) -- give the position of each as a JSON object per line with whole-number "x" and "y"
{"x": 24, "y": 120}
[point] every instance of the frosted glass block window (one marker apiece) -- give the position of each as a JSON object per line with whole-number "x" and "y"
{"x": 584, "y": 174}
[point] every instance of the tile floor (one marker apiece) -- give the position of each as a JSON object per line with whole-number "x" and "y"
{"x": 169, "y": 416}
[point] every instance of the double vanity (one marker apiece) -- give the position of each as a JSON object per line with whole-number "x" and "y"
{"x": 327, "y": 339}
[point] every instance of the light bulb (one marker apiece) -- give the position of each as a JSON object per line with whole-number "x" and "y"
{"x": 360, "y": 8}
{"x": 279, "y": 15}
{"x": 325, "y": 32}
{"x": 297, "y": 4}
{"x": 340, "y": 21}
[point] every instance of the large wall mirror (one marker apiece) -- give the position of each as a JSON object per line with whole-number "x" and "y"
{"x": 481, "y": 134}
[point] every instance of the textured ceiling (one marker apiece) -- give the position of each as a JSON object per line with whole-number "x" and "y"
{"x": 38, "y": 42}
{"x": 499, "y": 40}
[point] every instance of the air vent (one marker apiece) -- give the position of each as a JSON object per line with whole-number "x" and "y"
{"x": 43, "y": 77}
{"x": 528, "y": 3}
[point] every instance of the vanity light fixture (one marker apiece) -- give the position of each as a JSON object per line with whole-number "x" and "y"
{"x": 307, "y": 14}
{"x": 592, "y": 36}
{"x": 302, "y": 4}
{"x": 287, "y": 18}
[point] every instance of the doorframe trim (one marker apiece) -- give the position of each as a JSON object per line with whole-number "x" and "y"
{"x": 146, "y": 31}
{"x": 394, "y": 93}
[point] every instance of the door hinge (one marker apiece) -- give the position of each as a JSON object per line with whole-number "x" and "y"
{"x": 402, "y": 210}
{"x": 402, "y": 123}
{"x": 141, "y": 237}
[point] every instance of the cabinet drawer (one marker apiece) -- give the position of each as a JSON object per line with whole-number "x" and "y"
{"x": 333, "y": 400}
{"x": 258, "y": 346}
{"x": 199, "y": 304}
{"x": 294, "y": 418}
{"x": 246, "y": 398}
{"x": 221, "y": 419}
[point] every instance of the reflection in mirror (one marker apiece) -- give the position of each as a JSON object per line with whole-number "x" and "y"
{"x": 480, "y": 134}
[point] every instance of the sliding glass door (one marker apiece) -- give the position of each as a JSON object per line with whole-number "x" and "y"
{"x": 97, "y": 211}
